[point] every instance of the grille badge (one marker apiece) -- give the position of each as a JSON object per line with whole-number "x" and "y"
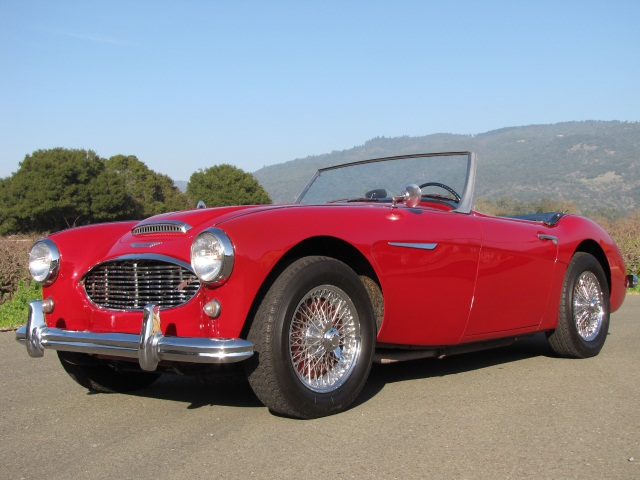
{"x": 185, "y": 283}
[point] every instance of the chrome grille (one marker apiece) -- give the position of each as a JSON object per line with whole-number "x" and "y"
{"x": 133, "y": 283}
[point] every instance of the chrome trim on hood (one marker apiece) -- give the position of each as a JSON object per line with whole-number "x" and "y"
{"x": 151, "y": 227}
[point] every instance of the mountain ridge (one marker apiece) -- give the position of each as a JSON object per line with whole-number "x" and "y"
{"x": 595, "y": 164}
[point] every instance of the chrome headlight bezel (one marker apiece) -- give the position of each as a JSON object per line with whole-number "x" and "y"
{"x": 212, "y": 256}
{"x": 44, "y": 261}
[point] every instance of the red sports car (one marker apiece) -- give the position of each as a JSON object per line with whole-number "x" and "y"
{"x": 379, "y": 260}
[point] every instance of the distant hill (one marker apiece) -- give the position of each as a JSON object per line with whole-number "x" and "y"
{"x": 594, "y": 164}
{"x": 181, "y": 185}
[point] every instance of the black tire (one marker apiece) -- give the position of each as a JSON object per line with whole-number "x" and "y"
{"x": 583, "y": 319}
{"x": 306, "y": 366}
{"x": 101, "y": 377}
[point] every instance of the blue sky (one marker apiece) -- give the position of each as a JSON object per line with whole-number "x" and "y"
{"x": 185, "y": 85}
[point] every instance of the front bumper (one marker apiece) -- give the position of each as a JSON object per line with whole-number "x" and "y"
{"x": 149, "y": 348}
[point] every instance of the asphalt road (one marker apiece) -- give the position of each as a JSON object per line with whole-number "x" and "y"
{"x": 515, "y": 412}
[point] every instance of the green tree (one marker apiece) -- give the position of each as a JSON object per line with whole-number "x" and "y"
{"x": 59, "y": 188}
{"x": 224, "y": 185}
{"x": 149, "y": 193}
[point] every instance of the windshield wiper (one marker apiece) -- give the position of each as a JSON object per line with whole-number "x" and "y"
{"x": 439, "y": 197}
{"x": 355, "y": 199}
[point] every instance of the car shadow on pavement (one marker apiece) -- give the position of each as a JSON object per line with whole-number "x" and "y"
{"x": 381, "y": 375}
{"x": 233, "y": 389}
{"x": 220, "y": 389}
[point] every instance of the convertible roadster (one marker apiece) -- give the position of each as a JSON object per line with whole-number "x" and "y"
{"x": 379, "y": 260}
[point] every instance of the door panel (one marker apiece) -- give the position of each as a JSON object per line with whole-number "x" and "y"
{"x": 514, "y": 276}
{"x": 430, "y": 261}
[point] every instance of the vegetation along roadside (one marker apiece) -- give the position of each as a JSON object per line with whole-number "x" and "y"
{"x": 589, "y": 168}
{"x": 17, "y": 289}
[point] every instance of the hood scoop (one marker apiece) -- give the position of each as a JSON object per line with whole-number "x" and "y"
{"x": 161, "y": 227}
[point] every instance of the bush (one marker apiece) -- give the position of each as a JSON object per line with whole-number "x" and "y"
{"x": 14, "y": 255}
{"x": 15, "y": 312}
{"x": 16, "y": 287}
{"x": 626, "y": 233}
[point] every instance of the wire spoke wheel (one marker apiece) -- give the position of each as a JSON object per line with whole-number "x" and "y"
{"x": 583, "y": 318}
{"x": 314, "y": 337}
{"x": 324, "y": 338}
{"x": 588, "y": 306}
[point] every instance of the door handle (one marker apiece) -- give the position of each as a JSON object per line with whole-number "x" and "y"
{"x": 544, "y": 236}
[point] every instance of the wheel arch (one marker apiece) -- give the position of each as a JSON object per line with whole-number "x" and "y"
{"x": 328, "y": 247}
{"x": 592, "y": 247}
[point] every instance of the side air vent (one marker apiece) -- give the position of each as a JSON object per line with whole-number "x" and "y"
{"x": 150, "y": 228}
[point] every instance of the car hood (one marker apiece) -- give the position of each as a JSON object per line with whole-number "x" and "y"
{"x": 177, "y": 228}
{"x": 169, "y": 234}
{"x": 207, "y": 217}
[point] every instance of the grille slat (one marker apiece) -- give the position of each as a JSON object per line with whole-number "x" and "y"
{"x": 133, "y": 283}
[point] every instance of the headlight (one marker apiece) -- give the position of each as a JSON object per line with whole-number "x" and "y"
{"x": 44, "y": 261}
{"x": 212, "y": 256}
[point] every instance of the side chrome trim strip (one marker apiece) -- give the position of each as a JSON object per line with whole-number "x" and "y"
{"x": 150, "y": 347}
{"x": 421, "y": 246}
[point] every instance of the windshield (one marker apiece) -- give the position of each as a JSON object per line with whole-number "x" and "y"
{"x": 444, "y": 177}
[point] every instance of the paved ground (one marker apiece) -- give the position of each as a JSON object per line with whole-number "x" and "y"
{"x": 515, "y": 412}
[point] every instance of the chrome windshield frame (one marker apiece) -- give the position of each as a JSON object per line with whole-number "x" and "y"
{"x": 466, "y": 201}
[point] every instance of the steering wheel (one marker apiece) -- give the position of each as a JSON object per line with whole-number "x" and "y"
{"x": 455, "y": 194}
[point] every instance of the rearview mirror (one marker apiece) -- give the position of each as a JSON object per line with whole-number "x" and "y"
{"x": 411, "y": 195}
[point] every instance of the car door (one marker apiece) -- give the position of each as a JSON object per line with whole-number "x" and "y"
{"x": 515, "y": 268}
{"x": 430, "y": 260}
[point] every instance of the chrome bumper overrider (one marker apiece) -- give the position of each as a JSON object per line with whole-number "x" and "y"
{"x": 150, "y": 347}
